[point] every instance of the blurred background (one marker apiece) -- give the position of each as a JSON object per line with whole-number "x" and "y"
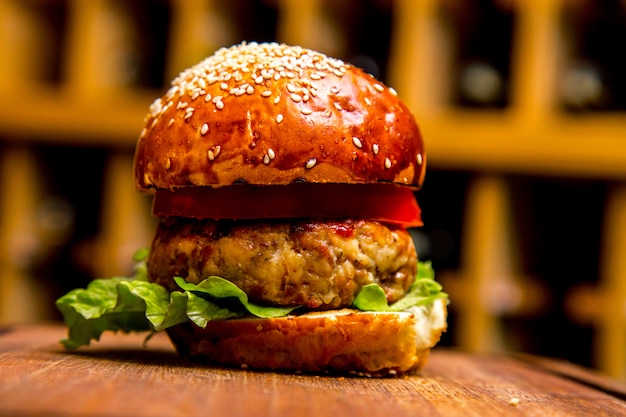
{"x": 522, "y": 104}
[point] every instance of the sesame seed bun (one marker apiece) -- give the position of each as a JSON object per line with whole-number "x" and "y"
{"x": 275, "y": 114}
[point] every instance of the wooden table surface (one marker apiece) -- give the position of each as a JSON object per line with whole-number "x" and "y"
{"x": 120, "y": 377}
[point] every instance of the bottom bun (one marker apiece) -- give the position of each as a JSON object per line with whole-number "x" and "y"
{"x": 339, "y": 341}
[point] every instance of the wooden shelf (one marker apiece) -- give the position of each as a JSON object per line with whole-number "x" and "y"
{"x": 588, "y": 146}
{"x": 60, "y": 117}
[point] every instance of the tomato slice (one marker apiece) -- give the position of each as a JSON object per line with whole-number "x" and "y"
{"x": 388, "y": 203}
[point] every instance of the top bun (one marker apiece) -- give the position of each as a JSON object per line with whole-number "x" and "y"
{"x": 275, "y": 114}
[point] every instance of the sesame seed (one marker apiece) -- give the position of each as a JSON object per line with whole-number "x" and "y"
{"x": 368, "y": 101}
{"x": 202, "y": 83}
{"x": 375, "y": 148}
{"x": 218, "y": 149}
{"x": 207, "y": 98}
{"x": 266, "y": 159}
{"x": 271, "y": 153}
{"x": 219, "y": 104}
{"x": 393, "y": 91}
{"x": 334, "y": 90}
{"x": 378, "y": 87}
{"x": 266, "y": 93}
{"x": 168, "y": 163}
{"x": 306, "y": 111}
{"x": 224, "y": 86}
{"x": 310, "y": 163}
{"x": 291, "y": 88}
{"x": 188, "y": 115}
{"x": 295, "y": 97}
{"x": 216, "y": 99}
{"x": 279, "y": 118}
{"x": 357, "y": 142}
{"x": 169, "y": 95}
{"x": 387, "y": 163}
{"x": 315, "y": 76}
{"x": 171, "y": 122}
{"x": 259, "y": 79}
{"x": 210, "y": 155}
{"x": 250, "y": 89}
{"x": 335, "y": 63}
{"x": 277, "y": 99}
{"x": 338, "y": 106}
{"x": 204, "y": 129}
{"x": 181, "y": 104}
{"x": 157, "y": 108}
{"x": 420, "y": 159}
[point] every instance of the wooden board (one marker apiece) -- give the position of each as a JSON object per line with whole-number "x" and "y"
{"x": 120, "y": 377}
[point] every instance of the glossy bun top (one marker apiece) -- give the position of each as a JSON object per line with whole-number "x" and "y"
{"x": 276, "y": 114}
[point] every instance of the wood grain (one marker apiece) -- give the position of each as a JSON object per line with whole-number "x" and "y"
{"x": 120, "y": 377}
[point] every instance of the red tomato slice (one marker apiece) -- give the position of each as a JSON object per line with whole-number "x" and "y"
{"x": 386, "y": 203}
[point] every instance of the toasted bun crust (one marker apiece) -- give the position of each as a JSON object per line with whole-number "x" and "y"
{"x": 343, "y": 341}
{"x": 275, "y": 114}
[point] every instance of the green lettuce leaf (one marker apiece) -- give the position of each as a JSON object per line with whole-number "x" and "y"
{"x": 219, "y": 288}
{"x": 424, "y": 291}
{"x": 135, "y": 305}
{"x": 111, "y": 304}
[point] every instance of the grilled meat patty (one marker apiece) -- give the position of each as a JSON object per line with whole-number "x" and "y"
{"x": 315, "y": 264}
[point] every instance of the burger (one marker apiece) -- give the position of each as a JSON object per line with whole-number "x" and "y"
{"x": 284, "y": 185}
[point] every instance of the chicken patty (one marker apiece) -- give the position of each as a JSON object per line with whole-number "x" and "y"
{"x": 314, "y": 264}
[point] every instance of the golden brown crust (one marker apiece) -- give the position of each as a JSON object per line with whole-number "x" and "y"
{"x": 343, "y": 341}
{"x": 296, "y": 116}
